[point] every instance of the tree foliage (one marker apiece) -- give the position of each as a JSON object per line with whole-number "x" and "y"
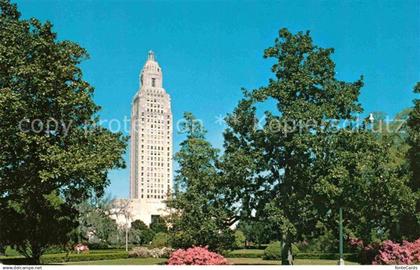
{"x": 158, "y": 225}
{"x": 310, "y": 156}
{"x": 95, "y": 224}
{"x": 199, "y": 215}
{"x": 414, "y": 141}
{"x": 139, "y": 225}
{"x": 239, "y": 239}
{"x": 258, "y": 232}
{"x": 45, "y": 170}
{"x": 410, "y": 224}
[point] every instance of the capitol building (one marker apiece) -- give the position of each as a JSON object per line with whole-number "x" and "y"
{"x": 151, "y": 146}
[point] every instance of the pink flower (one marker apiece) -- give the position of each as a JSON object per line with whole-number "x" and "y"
{"x": 394, "y": 253}
{"x": 196, "y": 256}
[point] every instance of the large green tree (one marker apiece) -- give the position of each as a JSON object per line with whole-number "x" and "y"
{"x": 53, "y": 155}
{"x": 396, "y": 137}
{"x": 199, "y": 215}
{"x": 410, "y": 225}
{"x": 414, "y": 141}
{"x": 309, "y": 156}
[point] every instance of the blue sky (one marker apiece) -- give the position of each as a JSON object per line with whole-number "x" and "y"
{"x": 208, "y": 50}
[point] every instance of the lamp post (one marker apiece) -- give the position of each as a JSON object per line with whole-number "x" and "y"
{"x": 341, "y": 262}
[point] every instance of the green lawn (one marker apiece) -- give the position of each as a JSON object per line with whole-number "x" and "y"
{"x": 246, "y": 252}
{"x": 130, "y": 261}
{"x": 237, "y": 257}
{"x": 236, "y": 261}
{"x": 247, "y": 261}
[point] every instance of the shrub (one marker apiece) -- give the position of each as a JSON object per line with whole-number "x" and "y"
{"x": 196, "y": 256}
{"x": 54, "y": 249}
{"x": 60, "y": 258}
{"x": 139, "y": 252}
{"x": 143, "y": 252}
{"x": 353, "y": 257}
{"x": 355, "y": 243}
{"x": 326, "y": 242}
{"x": 239, "y": 239}
{"x": 394, "y": 253}
{"x": 99, "y": 245}
{"x": 47, "y": 259}
{"x": 164, "y": 252}
{"x": 160, "y": 240}
{"x": 273, "y": 251}
{"x": 368, "y": 253}
{"x": 81, "y": 248}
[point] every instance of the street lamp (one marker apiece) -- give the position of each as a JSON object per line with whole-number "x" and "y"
{"x": 341, "y": 262}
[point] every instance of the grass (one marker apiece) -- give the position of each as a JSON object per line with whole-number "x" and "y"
{"x": 245, "y": 253}
{"x": 236, "y": 261}
{"x": 259, "y": 261}
{"x": 237, "y": 257}
{"x": 131, "y": 261}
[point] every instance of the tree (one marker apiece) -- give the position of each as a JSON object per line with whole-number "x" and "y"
{"x": 394, "y": 136}
{"x": 53, "y": 154}
{"x": 160, "y": 240}
{"x": 309, "y": 157}
{"x": 410, "y": 224}
{"x": 141, "y": 233}
{"x": 121, "y": 209}
{"x": 258, "y": 232}
{"x": 139, "y": 225}
{"x": 95, "y": 224}
{"x": 158, "y": 225}
{"x": 239, "y": 239}
{"x": 414, "y": 142}
{"x": 199, "y": 215}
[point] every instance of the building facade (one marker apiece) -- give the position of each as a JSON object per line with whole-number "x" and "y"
{"x": 151, "y": 145}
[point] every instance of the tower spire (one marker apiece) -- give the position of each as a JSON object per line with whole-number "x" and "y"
{"x": 151, "y": 56}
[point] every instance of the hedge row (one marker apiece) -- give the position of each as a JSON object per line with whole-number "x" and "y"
{"x": 61, "y": 258}
{"x": 245, "y": 253}
{"x": 327, "y": 256}
{"x": 322, "y": 256}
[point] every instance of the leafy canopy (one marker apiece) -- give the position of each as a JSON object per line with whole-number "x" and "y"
{"x": 52, "y": 152}
{"x": 199, "y": 215}
{"x": 309, "y": 156}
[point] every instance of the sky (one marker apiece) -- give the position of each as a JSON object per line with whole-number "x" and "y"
{"x": 209, "y": 50}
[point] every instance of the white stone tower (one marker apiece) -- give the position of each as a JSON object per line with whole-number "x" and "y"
{"x": 151, "y": 144}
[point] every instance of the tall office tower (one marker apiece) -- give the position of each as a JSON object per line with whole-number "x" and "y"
{"x": 151, "y": 144}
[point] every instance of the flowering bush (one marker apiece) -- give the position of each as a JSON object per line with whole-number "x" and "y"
{"x": 143, "y": 252}
{"x": 368, "y": 253}
{"x": 355, "y": 243}
{"x": 394, "y": 253}
{"x": 196, "y": 256}
{"x": 81, "y": 248}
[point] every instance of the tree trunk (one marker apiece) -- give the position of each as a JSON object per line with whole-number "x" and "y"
{"x": 36, "y": 255}
{"x": 126, "y": 239}
{"x": 35, "y": 260}
{"x": 286, "y": 251}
